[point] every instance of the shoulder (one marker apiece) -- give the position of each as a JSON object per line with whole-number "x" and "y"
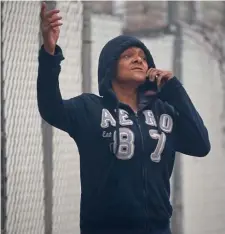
{"x": 164, "y": 107}
{"x": 84, "y": 100}
{"x": 91, "y": 97}
{"x": 86, "y": 97}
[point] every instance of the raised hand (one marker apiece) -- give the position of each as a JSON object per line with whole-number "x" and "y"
{"x": 50, "y": 27}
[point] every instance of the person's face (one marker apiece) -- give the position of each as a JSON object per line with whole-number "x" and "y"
{"x": 132, "y": 66}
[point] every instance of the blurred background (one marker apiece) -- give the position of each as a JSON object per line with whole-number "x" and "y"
{"x": 40, "y": 165}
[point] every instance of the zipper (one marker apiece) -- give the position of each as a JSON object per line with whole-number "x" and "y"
{"x": 139, "y": 127}
{"x": 143, "y": 166}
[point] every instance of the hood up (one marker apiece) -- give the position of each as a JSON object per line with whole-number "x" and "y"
{"x": 109, "y": 57}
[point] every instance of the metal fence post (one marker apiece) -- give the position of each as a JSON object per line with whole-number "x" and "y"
{"x": 177, "y": 218}
{"x": 3, "y": 144}
{"x": 86, "y": 48}
{"x": 47, "y": 138}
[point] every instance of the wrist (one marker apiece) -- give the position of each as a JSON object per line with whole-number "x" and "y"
{"x": 49, "y": 50}
{"x": 46, "y": 58}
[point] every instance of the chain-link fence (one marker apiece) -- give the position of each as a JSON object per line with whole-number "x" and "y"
{"x": 25, "y": 191}
{"x": 42, "y": 173}
{"x": 40, "y": 164}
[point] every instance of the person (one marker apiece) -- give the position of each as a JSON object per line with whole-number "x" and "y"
{"x": 127, "y": 137}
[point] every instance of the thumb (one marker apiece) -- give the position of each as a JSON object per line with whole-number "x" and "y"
{"x": 43, "y": 9}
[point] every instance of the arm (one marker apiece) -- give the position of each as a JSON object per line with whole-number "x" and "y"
{"x": 53, "y": 109}
{"x": 191, "y": 135}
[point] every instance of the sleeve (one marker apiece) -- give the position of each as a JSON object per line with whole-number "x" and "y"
{"x": 190, "y": 134}
{"x": 62, "y": 114}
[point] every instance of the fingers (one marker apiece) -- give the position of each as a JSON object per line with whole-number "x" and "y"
{"x": 43, "y": 9}
{"x": 153, "y": 73}
{"x": 43, "y": 6}
{"x": 54, "y": 19}
{"x": 50, "y": 19}
{"x": 56, "y": 24}
{"x": 49, "y": 16}
{"x": 50, "y": 13}
{"x": 159, "y": 76}
{"x": 161, "y": 79}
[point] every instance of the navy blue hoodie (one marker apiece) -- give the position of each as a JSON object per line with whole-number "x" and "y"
{"x": 126, "y": 158}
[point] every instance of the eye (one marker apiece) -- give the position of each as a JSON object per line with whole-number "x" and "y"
{"x": 143, "y": 56}
{"x": 126, "y": 56}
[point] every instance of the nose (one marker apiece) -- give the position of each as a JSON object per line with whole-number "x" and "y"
{"x": 138, "y": 59}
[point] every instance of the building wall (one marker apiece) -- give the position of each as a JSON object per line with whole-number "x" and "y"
{"x": 203, "y": 178}
{"x": 141, "y": 15}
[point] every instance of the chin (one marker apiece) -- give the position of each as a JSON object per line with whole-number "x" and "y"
{"x": 134, "y": 79}
{"x": 139, "y": 79}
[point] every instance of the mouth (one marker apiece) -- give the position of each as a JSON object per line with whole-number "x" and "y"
{"x": 137, "y": 69}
